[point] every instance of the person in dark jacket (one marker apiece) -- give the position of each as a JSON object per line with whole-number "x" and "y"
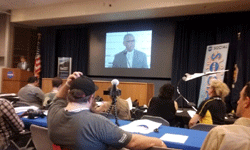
{"x": 163, "y": 105}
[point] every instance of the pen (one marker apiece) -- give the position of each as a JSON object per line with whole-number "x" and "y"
{"x": 144, "y": 126}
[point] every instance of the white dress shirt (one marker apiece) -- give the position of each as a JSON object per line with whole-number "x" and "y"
{"x": 23, "y": 65}
{"x": 130, "y": 56}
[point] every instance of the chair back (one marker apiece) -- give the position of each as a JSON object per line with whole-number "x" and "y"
{"x": 156, "y": 119}
{"x": 40, "y": 137}
{"x": 203, "y": 127}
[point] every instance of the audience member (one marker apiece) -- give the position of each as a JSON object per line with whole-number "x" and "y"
{"x": 48, "y": 97}
{"x": 10, "y": 123}
{"x": 23, "y": 64}
{"x": 123, "y": 111}
{"x": 236, "y": 136}
{"x": 163, "y": 105}
{"x": 72, "y": 125}
{"x": 213, "y": 110}
{"x": 31, "y": 94}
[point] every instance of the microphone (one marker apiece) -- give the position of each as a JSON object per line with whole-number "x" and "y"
{"x": 115, "y": 82}
{"x": 115, "y": 92}
{"x": 188, "y": 76}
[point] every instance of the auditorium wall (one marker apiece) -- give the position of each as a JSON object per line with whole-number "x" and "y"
{"x": 6, "y": 43}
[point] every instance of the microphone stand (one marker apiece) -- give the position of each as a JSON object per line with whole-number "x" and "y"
{"x": 188, "y": 77}
{"x": 114, "y": 93}
{"x": 181, "y": 96}
{"x": 113, "y": 105}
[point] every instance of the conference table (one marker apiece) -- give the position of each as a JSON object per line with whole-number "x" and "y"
{"x": 193, "y": 142}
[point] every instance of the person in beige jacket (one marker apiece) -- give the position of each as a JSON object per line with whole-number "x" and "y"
{"x": 236, "y": 136}
{"x": 123, "y": 111}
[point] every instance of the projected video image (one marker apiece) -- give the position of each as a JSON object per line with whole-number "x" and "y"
{"x": 128, "y": 49}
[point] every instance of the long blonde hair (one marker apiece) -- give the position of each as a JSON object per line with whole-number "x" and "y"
{"x": 220, "y": 88}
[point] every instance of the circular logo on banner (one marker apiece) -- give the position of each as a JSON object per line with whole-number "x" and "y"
{"x": 10, "y": 74}
{"x": 210, "y": 48}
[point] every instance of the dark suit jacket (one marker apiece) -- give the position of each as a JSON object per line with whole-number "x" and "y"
{"x": 19, "y": 65}
{"x": 139, "y": 60}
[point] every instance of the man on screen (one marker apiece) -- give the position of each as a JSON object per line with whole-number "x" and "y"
{"x": 130, "y": 58}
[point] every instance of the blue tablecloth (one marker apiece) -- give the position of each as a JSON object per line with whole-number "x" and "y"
{"x": 194, "y": 141}
{"x": 38, "y": 121}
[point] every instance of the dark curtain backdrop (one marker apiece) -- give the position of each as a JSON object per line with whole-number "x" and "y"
{"x": 48, "y": 52}
{"x": 191, "y": 39}
{"x": 65, "y": 41}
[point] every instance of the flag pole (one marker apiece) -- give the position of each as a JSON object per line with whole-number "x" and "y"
{"x": 37, "y": 66}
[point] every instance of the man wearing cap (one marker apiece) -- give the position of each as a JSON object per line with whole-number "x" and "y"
{"x": 72, "y": 125}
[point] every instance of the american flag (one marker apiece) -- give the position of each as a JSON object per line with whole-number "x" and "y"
{"x": 37, "y": 67}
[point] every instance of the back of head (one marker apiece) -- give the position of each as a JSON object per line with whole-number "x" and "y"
{"x": 81, "y": 90}
{"x": 166, "y": 91}
{"x": 247, "y": 90}
{"x": 220, "y": 88}
{"x": 32, "y": 79}
{"x": 56, "y": 82}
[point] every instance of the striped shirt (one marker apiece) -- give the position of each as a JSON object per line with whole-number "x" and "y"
{"x": 10, "y": 123}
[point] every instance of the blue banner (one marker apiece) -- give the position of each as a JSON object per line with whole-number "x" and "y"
{"x": 215, "y": 60}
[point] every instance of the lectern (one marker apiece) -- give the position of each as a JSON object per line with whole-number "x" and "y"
{"x": 13, "y": 79}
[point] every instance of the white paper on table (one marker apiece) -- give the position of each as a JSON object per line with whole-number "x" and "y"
{"x": 9, "y": 94}
{"x": 99, "y": 103}
{"x": 174, "y": 138}
{"x": 25, "y": 108}
{"x": 179, "y": 111}
{"x": 129, "y": 103}
{"x": 45, "y": 112}
{"x": 143, "y": 126}
{"x": 191, "y": 113}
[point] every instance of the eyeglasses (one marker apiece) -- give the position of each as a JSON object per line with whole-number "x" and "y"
{"x": 130, "y": 41}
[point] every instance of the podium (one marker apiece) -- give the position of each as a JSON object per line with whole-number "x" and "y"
{"x": 13, "y": 79}
{"x": 143, "y": 92}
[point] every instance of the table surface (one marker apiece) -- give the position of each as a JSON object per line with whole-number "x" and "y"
{"x": 194, "y": 141}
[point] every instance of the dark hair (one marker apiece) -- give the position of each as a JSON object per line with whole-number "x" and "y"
{"x": 76, "y": 95}
{"x": 166, "y": 91}
{"x": 247, "y": 90}
{"x": 127, "y": 36}
{"x": 56, "y": 82}
{"x": 32, "y": 79}
{"x": 22, "y": 57}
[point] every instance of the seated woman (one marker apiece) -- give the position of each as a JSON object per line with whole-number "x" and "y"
{"x": 213, "y": 110}
{"x": 163, "y": 105}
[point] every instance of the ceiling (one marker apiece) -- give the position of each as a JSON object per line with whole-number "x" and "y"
{"x": 6, "y": 5}
{"x": 216, "y": 6}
